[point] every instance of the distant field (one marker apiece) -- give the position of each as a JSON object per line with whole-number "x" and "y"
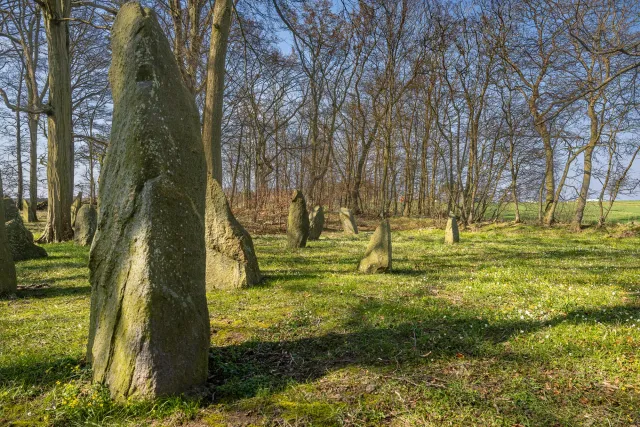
{"x": 622, "y": 211}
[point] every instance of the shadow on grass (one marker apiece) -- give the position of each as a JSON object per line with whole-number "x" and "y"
{"x": 51, "y": 265}
{"x": 53, "y": 291}
{"x": 257, "y": 367}
{"x": 40, "y": 373}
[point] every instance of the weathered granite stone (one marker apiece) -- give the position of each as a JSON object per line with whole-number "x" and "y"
{"x": 451, "y": 234}
{"x": 377, "y": 258}
{"x": 149, "y": 323}
{"x": 26, "y": 212}
{"x": 10, "y": 209}
{"x": 21, "y": 241}
{"x": 231, "y": 258}
{"x": 298, "y": 222}
{"x": 75, "y": 207}
{"x": 7, "y": 266}
{"x": 348, "y": 221}
{"x": 85, "y": 227}
{"x": 316, "y": 223}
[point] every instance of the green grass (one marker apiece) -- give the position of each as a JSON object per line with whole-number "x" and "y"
{"x": 621, "y": 212}
{"x": 517, "y": 325}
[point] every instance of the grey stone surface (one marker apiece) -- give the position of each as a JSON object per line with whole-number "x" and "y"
{"x": 149, "y": 323}
{"x": 298, "y": 222}
{"x": 10, "y": 209}
{"x": 348, "y": 221}
{"x": 75, "y": 207}
{"x": 85, "y": 225}
{"x": 316, "y": 223}
{"x": 377, "y": 258}
{"x": 231, "y": 257}
{"x": 21, "y": 241}
{"x": 451, "y": 233}
{"x": 7, "y": 266}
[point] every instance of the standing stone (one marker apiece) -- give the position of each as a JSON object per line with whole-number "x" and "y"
{"x": 149, "y": 323}
{"x": 21, "y": 241}
{"x": 7, "y": 266}
{"x": 348, "y": 221}
{"x": 75, "y": 207}
{"x": 451, "y": 234}
{"x": 25, "y": 210}
{"x": 231, "y": 258}
{"x": 11, "y": 211}
{"x": 377, "y": 258}
{"x": 85, "y": 227}
{"x": 298, "y": 223}
{"x": 316, "y": 223}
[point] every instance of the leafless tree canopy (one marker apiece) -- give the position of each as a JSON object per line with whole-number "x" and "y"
{"x": 386, "y": 107}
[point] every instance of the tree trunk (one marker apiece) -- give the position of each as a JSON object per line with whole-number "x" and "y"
{"x": 60, "y": 144}
{"x": 212, "y": 123}
{"x": 19, "y": 146}
{"x": 587, "y": 168}
{"x": 33, "y": 168}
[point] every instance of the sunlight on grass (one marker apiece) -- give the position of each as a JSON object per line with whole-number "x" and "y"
{"x": 517, "y": 324}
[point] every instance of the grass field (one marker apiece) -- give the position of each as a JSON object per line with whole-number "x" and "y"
{"x": 621, "y": 212}
{"x": 517, "y": 325}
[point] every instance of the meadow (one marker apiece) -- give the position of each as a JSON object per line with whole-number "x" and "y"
{"x": 517, "y": 325}
{"x": 621, "y": 212}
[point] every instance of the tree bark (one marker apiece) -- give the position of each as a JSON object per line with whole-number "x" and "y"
{"x": 60, "y": 144}
{"x": 594, "y": 137}
{"x": 212, "y": 123}
{"x": 33, "y": 168}
{"x": 19, "y": 145}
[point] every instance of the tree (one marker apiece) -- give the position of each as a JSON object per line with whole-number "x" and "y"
{"x": 212, "y": 117}
{"x": 60, "y": 169}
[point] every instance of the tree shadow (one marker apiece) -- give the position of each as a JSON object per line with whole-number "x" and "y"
{"x": 40, "y": 373}
{"x": 257, "y": 367}
{"x": 51, "y": 265}
{"x": 53, "y": 291}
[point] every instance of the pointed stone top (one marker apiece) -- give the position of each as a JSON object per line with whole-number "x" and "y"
{"x": 296, "y": 195}
{"x": 137, "y": 37}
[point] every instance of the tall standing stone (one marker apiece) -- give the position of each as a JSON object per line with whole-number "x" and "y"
{"x": 348, "y": 221}
{"x": 298, "y": 222}
{"x": 231, "y": 258}
{"x": 316, "y": 223}
{"x": 149, "y": 325}
{"x": 85, "y": 225}
{"x": 7, "y": 266}
{"x": 451, "y": 234}
{"x": 377, "y": 258}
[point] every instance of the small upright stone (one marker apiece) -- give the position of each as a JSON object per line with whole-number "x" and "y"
{"x": 231, "y": 258}
{"x": 86, "y": 223}
{"x": 75, "y": 207}
{"x": 348, "y": 221}
{"x": 7, "y": 266}
{"x": 316, "y": 223}
{"x": 11, "y": 211}
{"x": 298, "y": 223}
{"x": 377, "y": 258}
{"x": 451, "y": 234}
{"x": 25, "y": 210}
{"x": 149, "y": 321}
{"x": 21, "y": 241}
